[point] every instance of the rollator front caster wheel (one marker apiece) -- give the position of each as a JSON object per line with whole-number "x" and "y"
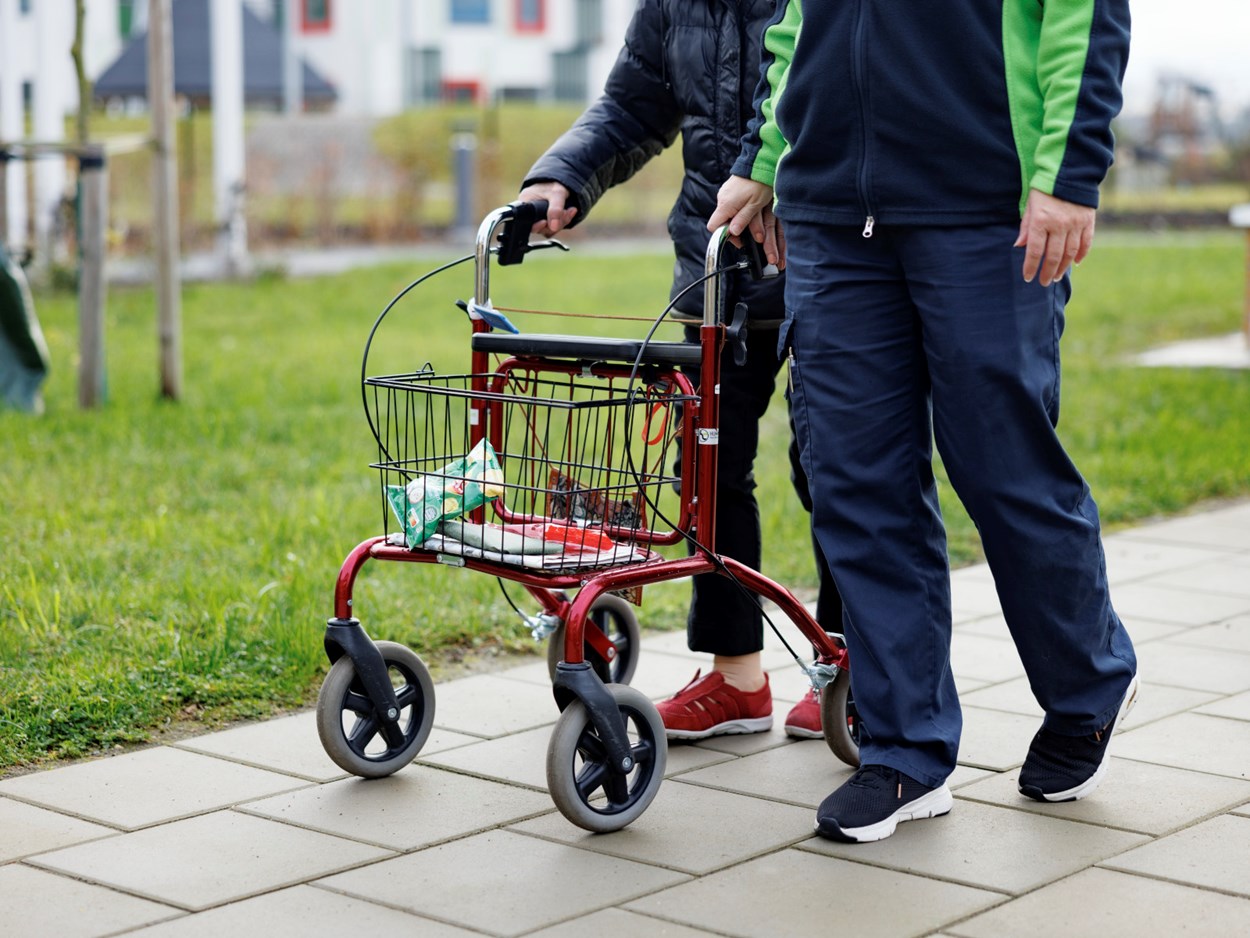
{"x": 615, "y": 618}
{"x": 351, "y": 730}
{"x": 840, "y": 718}
{"x": 586, "y": 788}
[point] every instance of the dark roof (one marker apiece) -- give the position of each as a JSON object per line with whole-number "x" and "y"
{"x": 262, "y": 61}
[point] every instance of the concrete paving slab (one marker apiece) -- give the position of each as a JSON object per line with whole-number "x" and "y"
{"x": 1236, "y": 707}
{"x": 995, "y": 740}
{"x": 984, "y": 659}
{"x": 208, "y": 860}
{"x": 287, "y": 744}
{"x": 413, "y": 808}
{"x": 1129, "y": 559}
{"x": 1191, "y": 741}
{"x": 689, "y": 828}
{"x": 1135, "y": 796}
{"x": 1213, "y": 529}
{"x": 38, "y": 903}
{"x": 1146, "y": 600}
{"x": 988, "y": 846}
{"x": 1225, "y": 351}
{"x": 120, "y": 791}
{"x": 1230, "y": 635}
{"x": 1173, "y": 663}
{"x": 743, "y": 744}
{"x": 1155, "y": 701}
{"x": 973, "y": 595}
{"x": 801, "y": 774}
{"x": 26, "y": 829}
{"x": 1212, "y": 854}
{"x": 301, "y": 912}
{"x": 798, "y": 893}
{"x": 502, "y": 882}
{"x": 1229, "y": 575}
{"x": 1106, "y": 904}
{"x": 488, "y": 706}
{"x": 619, "y": 923}
{"x": 521, "y": 758}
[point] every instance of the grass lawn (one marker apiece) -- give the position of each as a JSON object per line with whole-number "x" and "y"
{"x": 166, "y": 563}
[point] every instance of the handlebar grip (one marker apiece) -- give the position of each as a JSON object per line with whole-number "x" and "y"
{"x": 756, "y": 262}
{"x": 515, "y": 236}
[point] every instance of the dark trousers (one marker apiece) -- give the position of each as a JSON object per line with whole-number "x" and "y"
{"x": 918, "y": 334}
{"x": 724, "y": 619}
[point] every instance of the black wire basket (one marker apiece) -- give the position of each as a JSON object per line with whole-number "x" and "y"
{"x": 555, "y": 470}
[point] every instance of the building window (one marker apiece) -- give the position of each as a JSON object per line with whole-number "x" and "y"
{"x": 589, "y": 19}
{"x": 531, "y": 16}
{"x": 23, "y": 6}
{"x": 315, "y": 16}
{"x": 125, "y": 18}
{"x": 470, "y": 11}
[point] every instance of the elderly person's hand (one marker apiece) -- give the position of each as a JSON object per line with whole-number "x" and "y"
{"x": 555, "y": 195}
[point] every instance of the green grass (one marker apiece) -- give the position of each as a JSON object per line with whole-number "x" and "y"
{"x": 174, "y": 562}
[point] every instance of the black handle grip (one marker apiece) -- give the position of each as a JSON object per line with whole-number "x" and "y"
{"x": 514, "y": 238}
{"x": 756, "y": 262}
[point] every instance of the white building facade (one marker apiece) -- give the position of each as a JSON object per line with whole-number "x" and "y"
{"x": 381, "y": 56}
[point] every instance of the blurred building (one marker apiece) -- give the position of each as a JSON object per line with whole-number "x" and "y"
{"x": 387, "y": 55}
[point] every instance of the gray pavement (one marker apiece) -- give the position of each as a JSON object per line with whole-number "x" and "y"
{"x": 253, "y": 830}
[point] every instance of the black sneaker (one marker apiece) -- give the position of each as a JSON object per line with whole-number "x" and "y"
{"x": 1065, "y": 768}
{"x": 872, "y": 802}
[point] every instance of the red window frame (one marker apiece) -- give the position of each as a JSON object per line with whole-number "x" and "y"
{"x": 451, "y": 87}
{"x": 525, "y": 25}
{"x": 310, "y": 25}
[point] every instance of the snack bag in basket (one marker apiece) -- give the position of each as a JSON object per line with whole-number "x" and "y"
{"x": 460, "y": 486}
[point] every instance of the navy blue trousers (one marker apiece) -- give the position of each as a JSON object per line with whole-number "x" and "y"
{"x": 923, "y": 334}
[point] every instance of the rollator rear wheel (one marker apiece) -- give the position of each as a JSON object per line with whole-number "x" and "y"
{"x": 584, "y": 785}
{"x": 352, "y": 731}
{"x": 840, "y": 718}
{"x": 614, "y": 617}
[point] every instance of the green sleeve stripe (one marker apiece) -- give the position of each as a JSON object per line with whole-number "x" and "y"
{"x": 1045, "y": 62}
{"x": 780, "y": 40}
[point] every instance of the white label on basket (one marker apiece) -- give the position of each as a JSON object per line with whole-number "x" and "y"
{"x": 452, "y": 560}
{"x": 475, "y": 416}
{"x": 709, "y": 437}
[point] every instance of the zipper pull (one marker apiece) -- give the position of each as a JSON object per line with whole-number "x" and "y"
{"x": 790, "y": 369}
{"x": 868, "y": 223}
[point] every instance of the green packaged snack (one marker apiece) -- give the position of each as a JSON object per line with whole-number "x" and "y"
{"x": 459, "y": 487}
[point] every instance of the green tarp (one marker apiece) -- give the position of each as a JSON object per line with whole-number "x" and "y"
{"x": 23, "y": 353}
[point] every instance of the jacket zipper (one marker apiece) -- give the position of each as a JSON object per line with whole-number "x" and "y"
{"x": 857, "y": 59}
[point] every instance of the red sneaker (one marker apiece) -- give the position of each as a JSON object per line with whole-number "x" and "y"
{"x": 708, "y": 706}
{"x": 803, "y": 721}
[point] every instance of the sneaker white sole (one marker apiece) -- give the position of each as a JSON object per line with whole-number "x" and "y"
{"x": 802, "y": 732}
{"x": 728, "y": 728}
{"x": 933, "y": 804}
{"x": 1087, "y": 787}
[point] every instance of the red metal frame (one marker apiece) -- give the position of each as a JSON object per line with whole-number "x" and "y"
{"x": 698, "y": 514}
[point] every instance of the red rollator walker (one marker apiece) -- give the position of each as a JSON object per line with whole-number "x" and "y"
{"x": 566, "y": 467}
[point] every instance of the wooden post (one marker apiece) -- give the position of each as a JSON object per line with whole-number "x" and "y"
{"x": 165, "y": 197}
{"x": 93, "y": 223}
{"x": 1239, "y": 217}
{"x": 4, "y": 193}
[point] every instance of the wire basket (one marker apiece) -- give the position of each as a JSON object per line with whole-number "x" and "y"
{"x": 555, "y": 470}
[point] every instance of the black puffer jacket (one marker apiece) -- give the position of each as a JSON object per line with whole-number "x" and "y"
{"x": 690, "y": 66}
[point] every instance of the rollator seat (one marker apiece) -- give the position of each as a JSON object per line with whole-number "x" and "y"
{"x": 586, "y": 348}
